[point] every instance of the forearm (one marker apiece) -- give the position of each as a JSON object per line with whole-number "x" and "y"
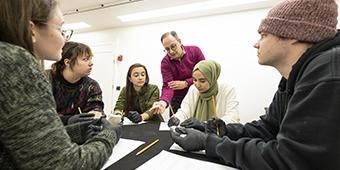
{"x": 255, "y": 129}
{"x": 38, "y": 132}
{"x": 97, "y": 114}
{"x": 297, "y": 145}
{"x": 245, "y": 153}
{"x": 228, "y": 104}
{"x": 167, "y": 94}
{"x": 119, "y": 107}
{"x": 145, "y": 116}
{"x": 189, "y": 81}
{"x": 94, "y": 99}
{"x": 230, "y": 114}
{"x": 62, "y": 154}
{"x": 32, "y": 133}
{"x": 93, "y": 103}
{"x": 186, "y": 110}
{"x": 93, "y": 106}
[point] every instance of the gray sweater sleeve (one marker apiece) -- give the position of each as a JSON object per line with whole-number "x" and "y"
{"x": 32, "y": 135}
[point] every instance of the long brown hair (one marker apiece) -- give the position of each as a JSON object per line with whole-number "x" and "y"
{"x": 130, "y": 91}
{"x": 15, "y": 18}
{"x": 71, "y": 51}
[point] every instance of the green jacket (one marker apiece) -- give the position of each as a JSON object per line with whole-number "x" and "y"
{"x": 142, "y": 101}
{"x": 32, "y": 135}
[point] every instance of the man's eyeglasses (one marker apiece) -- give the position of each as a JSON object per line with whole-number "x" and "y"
{"x": 67, "y": 34}
{"x": 173, "y": 47}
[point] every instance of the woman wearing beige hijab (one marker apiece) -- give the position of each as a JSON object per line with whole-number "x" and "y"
{"x": 207, "y": 99}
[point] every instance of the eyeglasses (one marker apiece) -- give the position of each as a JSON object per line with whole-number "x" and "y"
{"x": 67, "y": 34}
{"x": 172, "y": 47}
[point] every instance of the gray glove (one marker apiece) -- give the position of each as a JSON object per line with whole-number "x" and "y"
{"x": 189, "y": 139}
{"x": 193, "y": 123}
{"x": 80, "y": 118}
{"x": 173, "y": 121}
{"x": 116, "y": 128}
{"x": 134, "y": 116}
{"x": 214, "y": 124}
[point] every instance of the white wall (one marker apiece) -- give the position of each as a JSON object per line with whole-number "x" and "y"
{"x": 227, "y": 39}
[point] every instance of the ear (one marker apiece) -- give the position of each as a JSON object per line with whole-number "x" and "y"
{"x": 34, "y": 31}
{"x": 67, "y": 62}
{"x": 130, "y": 79}
{"x": 294, "y": 41}
{"x": 179, "y": 40}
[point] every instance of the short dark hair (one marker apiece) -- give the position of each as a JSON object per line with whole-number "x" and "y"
{"x": 173, "y": 33}
{"x": 71, "y": 51}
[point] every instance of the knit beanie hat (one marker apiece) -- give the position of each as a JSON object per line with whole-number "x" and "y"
{"x": 303, "y": 20}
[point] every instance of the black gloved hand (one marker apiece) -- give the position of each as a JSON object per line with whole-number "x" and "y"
{"x": 116, "y": 128}
{"x": 134, "y": 116}
{"x": 80, "y": 118}
{"x": 64, "y": 118}
{"x": 189, "y": 139}
{"x": 214, "y": 124}
{"x": 81, "y": 131}
{"x": 193, "y": 123}
{"x": 173, "y": 121}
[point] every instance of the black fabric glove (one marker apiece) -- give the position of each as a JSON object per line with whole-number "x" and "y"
{"x": 80, "y": 132}
{"x": 189, "y": 139}
{"x": 214, "y": 124}
{"x": 118, "y": 128}
{"x": 134, "y": 116}
{"x": 80, "y": 118}
{"x": 173, "y": 121}
{"x": 64, "y": 118}
{"x": 193, "y": 123}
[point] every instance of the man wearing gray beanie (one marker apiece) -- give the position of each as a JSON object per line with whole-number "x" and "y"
{"x": 301, "y": 129}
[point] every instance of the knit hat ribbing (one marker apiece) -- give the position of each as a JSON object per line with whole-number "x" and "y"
{"x": 304, "y": 20}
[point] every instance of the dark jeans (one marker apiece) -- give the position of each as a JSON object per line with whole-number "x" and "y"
{"x": 175, "y": 104}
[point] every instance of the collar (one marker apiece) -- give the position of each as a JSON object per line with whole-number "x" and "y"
{"x": 61, "y": 78}
{"x": 311, "y": 53}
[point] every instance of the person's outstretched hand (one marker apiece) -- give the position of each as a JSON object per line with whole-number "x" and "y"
{"x": 80, "y": 132}
{"x": 118, "y": 128}
{"x": 178, "y": 85}
{"x": 189, "y": 139}
{"x": 215, "y": 124}
{"x": 193, "y": 123}
{"x": 158, "y": 107}
{"x": 134, "y": 116}
{"x": 115, "y": 119}
{"x": 173, "y": 121}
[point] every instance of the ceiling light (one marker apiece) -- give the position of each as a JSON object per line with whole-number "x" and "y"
{"x": 75, "y": 26}
{"x": 193, "y": 7}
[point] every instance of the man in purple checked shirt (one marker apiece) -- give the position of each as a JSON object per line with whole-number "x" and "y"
{"x": 176, "y": 68}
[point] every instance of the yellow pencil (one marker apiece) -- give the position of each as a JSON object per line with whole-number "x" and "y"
{"x": 160, "y": 117}
{"x": 79, "y": 110}
{"x": 147, "y": 147}
{"x": 215, "y": 114}
{"x": 171, "y": 111}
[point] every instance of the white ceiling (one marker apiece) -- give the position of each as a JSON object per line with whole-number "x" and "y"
{"x": 92, "y": 12}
